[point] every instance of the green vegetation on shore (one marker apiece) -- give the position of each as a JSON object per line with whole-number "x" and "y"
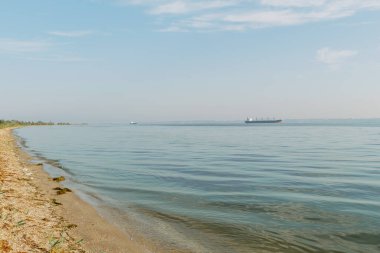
{"x": 17, "y": 123}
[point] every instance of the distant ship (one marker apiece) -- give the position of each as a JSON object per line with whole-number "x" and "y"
{"x": 133, "y": 123}
{"x": 250, "y": 120}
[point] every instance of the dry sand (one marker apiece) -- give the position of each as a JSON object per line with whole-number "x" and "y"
{"x": 33, "y": 218}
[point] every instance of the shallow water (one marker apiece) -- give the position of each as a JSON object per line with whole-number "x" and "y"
{"x": 311, "y": 186}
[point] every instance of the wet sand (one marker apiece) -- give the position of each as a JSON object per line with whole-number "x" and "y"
{"x": 34, "y": 218}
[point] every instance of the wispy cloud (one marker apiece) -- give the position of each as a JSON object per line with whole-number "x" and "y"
{"x": 241, "y": 15}
{"x": 8, "y": 45}
{"x": 57, "y": 58}
{"x": 36, "y": 50}
{"x": 71, "y": 34}
{"x": 182, "y": 7}
{"x": 334, "y": 58}
{"x": 294, "y": 3}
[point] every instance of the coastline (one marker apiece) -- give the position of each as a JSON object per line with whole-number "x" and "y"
{"x": 35, "y": 219}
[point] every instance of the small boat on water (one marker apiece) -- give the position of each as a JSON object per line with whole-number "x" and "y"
{"x": 132, "y": 123}
{"x": 250, "y": 120}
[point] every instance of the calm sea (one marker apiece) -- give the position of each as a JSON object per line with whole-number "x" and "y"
{"x": 299, "y": 186}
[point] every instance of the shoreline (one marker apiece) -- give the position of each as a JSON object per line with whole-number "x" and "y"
{"x": 55, "y": 223}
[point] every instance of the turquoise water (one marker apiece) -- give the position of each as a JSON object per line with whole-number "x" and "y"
{"x": 300, "y": 186}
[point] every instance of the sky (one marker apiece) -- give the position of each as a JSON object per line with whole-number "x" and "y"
{"x": 175, "y": 60}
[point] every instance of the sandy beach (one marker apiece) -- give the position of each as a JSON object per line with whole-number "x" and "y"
{"x": 34, "y": 218}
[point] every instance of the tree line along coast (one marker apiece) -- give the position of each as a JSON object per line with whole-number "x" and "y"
{"x": 17, "y": 123}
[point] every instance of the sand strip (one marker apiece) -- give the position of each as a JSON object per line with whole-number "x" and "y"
{"x": 33, "y": 218}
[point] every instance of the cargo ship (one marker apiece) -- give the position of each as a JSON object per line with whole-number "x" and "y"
{"x": 250, "y": 120}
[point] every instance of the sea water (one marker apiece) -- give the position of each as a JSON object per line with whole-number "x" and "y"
{"x": 298, "y": 186}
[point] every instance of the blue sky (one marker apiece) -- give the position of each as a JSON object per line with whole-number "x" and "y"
{"x": 158, "y": 60}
